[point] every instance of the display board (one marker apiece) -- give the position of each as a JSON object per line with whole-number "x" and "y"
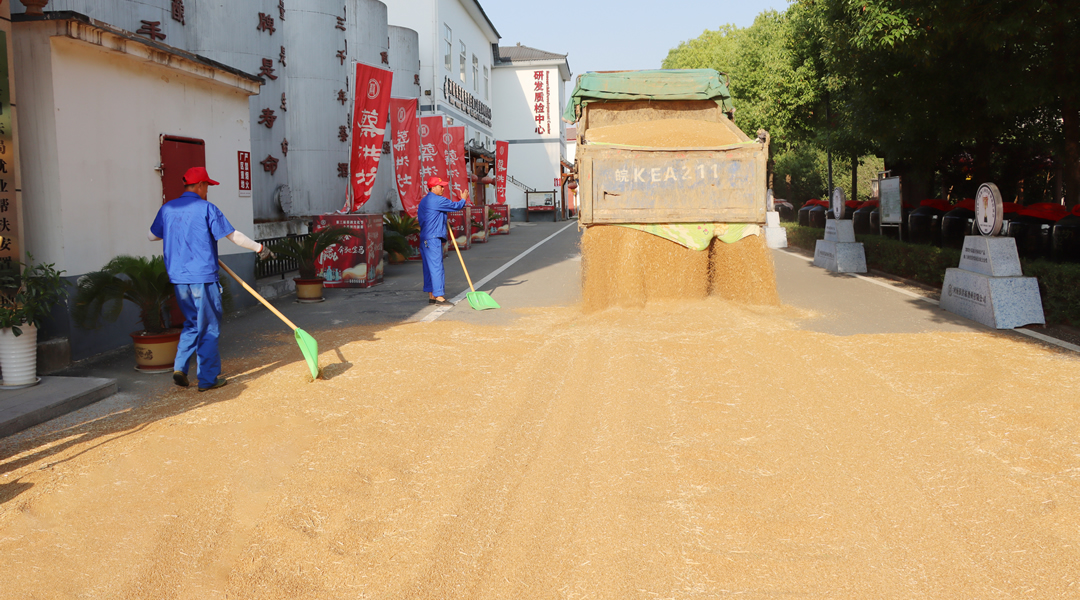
{"x": 891, "y": 201}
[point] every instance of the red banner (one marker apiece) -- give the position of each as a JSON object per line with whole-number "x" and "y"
{"x": 405, "y": 133}
{"x": 455, "y": 161}
{"x": 369, "y": 120}
{"x": 502, "y": 149}
{"x": 432, "y": 155}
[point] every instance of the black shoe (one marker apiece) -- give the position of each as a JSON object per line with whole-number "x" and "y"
{"x": 443, "y": 302}
{"x": 221, "y": 381}
{"x": 180, "y": 378}
{"x": 431, "y": 301}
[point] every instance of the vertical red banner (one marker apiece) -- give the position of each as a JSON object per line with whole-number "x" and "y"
{"x": 455, "y": 161}
{"x": 369, "y": 128}
{"x": 432, "y": 155}
{"x": 502, "y": 150}
{"x": 405, "y": 133}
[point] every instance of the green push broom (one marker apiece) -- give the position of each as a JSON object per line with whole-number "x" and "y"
{"x": 477, "y": 300}
{"x": 308, "y": 346}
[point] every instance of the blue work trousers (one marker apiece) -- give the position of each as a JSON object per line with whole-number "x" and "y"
{"x": 434, "y": 275}
{"x": 201, "y": 305}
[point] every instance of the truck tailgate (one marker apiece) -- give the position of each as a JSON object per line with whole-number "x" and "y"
{"x": 672, "y": 186}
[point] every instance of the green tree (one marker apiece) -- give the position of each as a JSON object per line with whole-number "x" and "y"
{"x": 923, "y": 82}
{"x": 710, "y": 50}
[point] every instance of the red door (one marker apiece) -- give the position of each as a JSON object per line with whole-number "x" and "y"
{"x": 178, "y": 154}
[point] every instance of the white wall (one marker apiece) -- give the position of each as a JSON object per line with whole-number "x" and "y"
{"x": 533, "y": 158}
{"x": 96, "y": 117}
{"x": 427, "y": 18}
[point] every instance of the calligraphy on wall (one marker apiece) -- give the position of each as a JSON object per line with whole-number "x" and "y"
{"x": 9, "y": 217}
{"x": 542, "y": 101}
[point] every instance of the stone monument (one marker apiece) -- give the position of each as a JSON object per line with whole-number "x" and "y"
{"x": 839, "y": 252}
{"x": 775, "y": 234}
{"x": 989, "y": 286}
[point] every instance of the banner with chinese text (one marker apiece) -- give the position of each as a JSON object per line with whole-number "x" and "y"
{"x": 432, "y": 155}
{"x": 455, "y": 161}
{"x": 502, "y": 151}
{"x": 10, "y": 233}
{"x": 542, "y": 101}
{"x": 405, "y": 133}
{"x": 369, "y": 128}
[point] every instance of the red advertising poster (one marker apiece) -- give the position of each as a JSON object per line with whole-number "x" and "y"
{"x": 357, "y": 260}
{"x": 499, "y": 223}
{"x": 502, "y": 150}
{"x": 369, "y": 127}
{"x": 479, "y": 224}
{"x": 405, "y": 133}
{"x": 432, "y": 155}
{"x": 460, "y": 223}
{"x": 455, "y": 161}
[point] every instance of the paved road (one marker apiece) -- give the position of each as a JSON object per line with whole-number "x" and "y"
{"x": 685, "y": 450}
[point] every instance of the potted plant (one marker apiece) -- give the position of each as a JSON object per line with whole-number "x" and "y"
{"x": 396, "y": 246}
{"x": 405, "y": 226}
{"x": 100, "y": 296}
{"x": 28, "y": 293}
{"x": 305, "y": 250}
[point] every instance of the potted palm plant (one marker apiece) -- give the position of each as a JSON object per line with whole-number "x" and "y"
{"x": 395, "y": 225}
{"x": 100, "y": 296}
{"x": 28, "y": 292}
{"x": 396, "y": 246}
{"x": 305, "y": 250}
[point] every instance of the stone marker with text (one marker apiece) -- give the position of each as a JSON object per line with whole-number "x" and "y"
{"x": 839, "y": 252}
{"x": 989, "y": 286}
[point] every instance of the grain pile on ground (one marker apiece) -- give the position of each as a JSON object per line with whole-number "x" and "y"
{"x": 628, "y": 268}
{"x": 665, "y": 133}
{"x": 743, "y": 271}
{"x": 683, "y": 450}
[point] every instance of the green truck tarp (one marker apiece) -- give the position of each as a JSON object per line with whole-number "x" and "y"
{"x": 673, "y": 84}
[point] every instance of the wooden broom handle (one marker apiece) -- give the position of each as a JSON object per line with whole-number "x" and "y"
{"x": 258, "y": 297}
{"x": 454, "y": 240}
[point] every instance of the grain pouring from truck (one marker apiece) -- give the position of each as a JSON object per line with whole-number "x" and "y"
{"x": 672, "y": 192}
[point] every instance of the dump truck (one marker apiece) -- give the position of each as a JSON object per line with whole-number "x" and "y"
{"x": 673, "y": 195}
{"x": 724, "y": 181}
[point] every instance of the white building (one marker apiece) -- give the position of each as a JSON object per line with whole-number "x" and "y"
{"x": 530, "y": 88}
{"x": 456, "y": 40}
{"x": 99, "y": 107}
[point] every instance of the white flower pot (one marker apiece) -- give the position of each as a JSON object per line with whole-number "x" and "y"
{"x": 18, "y": 356}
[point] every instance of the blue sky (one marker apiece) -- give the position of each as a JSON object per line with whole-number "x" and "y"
{"x": 608, "y": 35}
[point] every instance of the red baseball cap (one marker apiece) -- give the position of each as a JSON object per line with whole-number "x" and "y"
{"x": 434, "y": 181}
{"x": 198, "y": 175}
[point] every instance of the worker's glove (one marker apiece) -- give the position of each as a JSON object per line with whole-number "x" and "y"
{"x": 265, "y": 253}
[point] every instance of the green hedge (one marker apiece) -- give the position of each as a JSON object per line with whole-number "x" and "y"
{"x": 1059, "y": 283}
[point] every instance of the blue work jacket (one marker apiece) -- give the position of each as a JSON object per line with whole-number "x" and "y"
{"x": 432, "y": 215}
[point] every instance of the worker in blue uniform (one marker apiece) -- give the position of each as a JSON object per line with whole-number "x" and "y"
{"x": 432, "y": 216}
{"x": 191, "y": 227}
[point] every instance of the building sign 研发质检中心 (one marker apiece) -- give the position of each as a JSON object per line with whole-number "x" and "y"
{"x": 542, "y": 101}
{"x": 458, "y": 97}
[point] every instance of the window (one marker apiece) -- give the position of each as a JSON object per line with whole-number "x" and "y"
{"x": 448, "y": 45}
{"x": 463, "y": 53}
{"x": 487, "y": 85}
{"x": 487, "y": 140}
{"x": 475, "y": 73}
